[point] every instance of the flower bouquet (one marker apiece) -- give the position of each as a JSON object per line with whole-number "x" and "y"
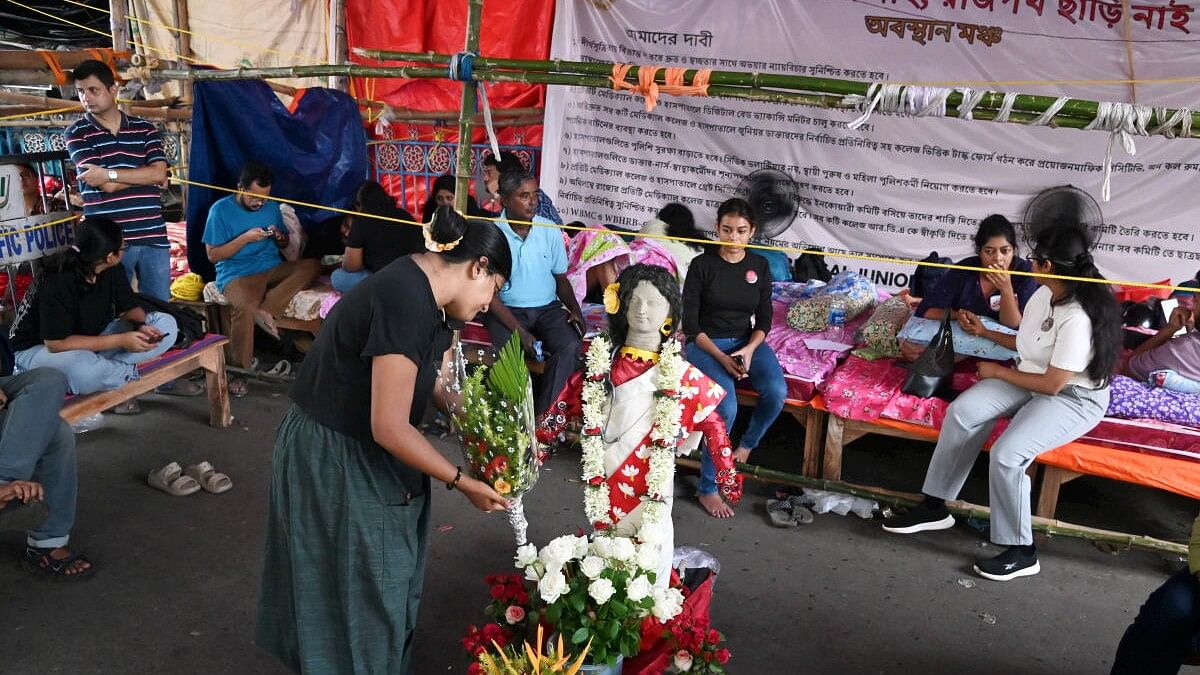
{"x": 697, "y": 646}
{"x": 598, "y": 593}
{"x": 496, "y": 426}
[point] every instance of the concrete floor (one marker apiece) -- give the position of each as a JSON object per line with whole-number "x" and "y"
{"x": 178, "y": 584}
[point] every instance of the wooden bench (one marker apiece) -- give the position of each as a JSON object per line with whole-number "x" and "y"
{"x": 207, "y": 353}
{"x": 811, "y": 419}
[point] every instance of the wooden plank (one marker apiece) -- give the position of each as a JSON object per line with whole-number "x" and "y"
{"x": 217, "y": 384}
{"x": 92, "y": 404}
{"x": 835, "y": 429}
{"x": 313, "y": 326}
{"x": 1052, "y": 481}
{"x": 814, "y": 435}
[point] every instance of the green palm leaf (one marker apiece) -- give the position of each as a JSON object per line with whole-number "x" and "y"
{"x": 509, "y": 375}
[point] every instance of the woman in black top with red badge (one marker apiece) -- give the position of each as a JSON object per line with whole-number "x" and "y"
{"x": 349, "y": 503}
{"x": 726, "y": 316}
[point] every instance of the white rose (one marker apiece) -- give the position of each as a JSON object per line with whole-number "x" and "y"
{"x": 552, "y": 586}
{"x": 683, "y": 661}
{"x": 602, "y": 546}
{"x": 592, "y": 566}
{"x": 526, "y": 555}
{"x": 650, "y": 534}
{"x": 648, "y": 556}
{"x": 561, "y": 549}
{"x": 532, "y": 574}
{"x": 639, "y": 588}
{"x": 581, "y": 548}
{"x": 623, "y": 549}
{"x": 601, "y": 590}
{"x": 668, "y": 602}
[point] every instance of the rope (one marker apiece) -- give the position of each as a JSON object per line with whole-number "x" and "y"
{"x": 51, "y": 59}
{"x": 1006, "y": 107}
{"x": 708, "y": 242}
{"x": 970, "y": 99}
{"x": 646, "y": 85}
{"x": 675, "y": 85}
{"x": 40, "y": 113}
{"x": 40, "y": 226}
{"x": 1048, "y": 114}
{"x": 1123, "y": 120}
{"x": 461, "y": 67}
{"x": 1181, "y": 117}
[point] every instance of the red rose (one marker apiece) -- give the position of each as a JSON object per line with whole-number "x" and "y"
{"x": 514, "y": 614}
{"x": 722, "y": 656}
{"x": 497, "y": 592}
{"x": 714, "y": 637}
{"x": 475, "y": 669}
{"x": 596, "y": 480}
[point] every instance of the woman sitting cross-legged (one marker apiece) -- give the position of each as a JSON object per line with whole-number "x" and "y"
{"x": 726, "y": 316}
{"x": 1068, "y": 342}
{"x": 81, "y": 317}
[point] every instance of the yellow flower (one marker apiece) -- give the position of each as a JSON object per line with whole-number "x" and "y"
{"x": 612, "y": 303}
{"x": 502, "y": 486}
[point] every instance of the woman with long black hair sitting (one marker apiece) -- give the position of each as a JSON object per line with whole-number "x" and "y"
{"x": 1068, "y": 341}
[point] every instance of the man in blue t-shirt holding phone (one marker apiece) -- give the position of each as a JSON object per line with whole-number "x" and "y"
{"x": 243, "y": 236}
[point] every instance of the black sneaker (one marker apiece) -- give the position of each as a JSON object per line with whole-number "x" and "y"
{"x": 921, "y": 518}
{"x": 1011, "y": 564}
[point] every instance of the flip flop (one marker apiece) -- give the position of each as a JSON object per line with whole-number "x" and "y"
{"x": 208, "y": 478}
{"x": 268, "y": 327}
{"x": 170, "y": 479}
{"x": 779, "y": 512}
{"x": 801, "y": 513}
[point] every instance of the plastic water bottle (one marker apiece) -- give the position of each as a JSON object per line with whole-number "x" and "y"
{"x": 837, "y": 319}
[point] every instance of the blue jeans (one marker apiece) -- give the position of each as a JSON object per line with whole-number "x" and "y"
{"x": 343, "y": 281}
{"x": 152, "y": 267}
{"x": 766, "y": 378}
{"x": 89, "y": 372}
{"x": 1173, "y": 381}
{"x": 36, "y": 444}
{"x": 1165, "y": 632}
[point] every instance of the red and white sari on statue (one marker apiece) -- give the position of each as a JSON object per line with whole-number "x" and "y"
{"x": 630, "y": 416}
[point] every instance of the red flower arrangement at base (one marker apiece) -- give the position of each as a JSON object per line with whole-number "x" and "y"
{"x": 697, "y": 646}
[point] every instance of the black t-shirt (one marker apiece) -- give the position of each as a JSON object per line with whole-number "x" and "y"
{"x": 64, "y": 305}
{"x": 720, "y": 297}
{"x": 383, "y": 241}
{"x": 391, "y": 312}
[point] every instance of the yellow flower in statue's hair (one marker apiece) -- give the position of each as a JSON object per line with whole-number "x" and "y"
{"x": 502, "y": 486}
{"x": 612, "y": 302}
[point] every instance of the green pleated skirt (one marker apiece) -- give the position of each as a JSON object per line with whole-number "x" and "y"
{"x": 345, "y": 555}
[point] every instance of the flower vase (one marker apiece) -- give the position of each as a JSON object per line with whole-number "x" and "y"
{"x": 604, "y": 668}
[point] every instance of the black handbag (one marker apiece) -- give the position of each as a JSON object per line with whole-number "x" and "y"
{"x": 931, "y": 374}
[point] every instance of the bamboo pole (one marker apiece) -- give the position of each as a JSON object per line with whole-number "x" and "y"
{"x": 1029, "y": 103}
{"x": 337, "y": 42}
{"x": 960, "y": 508}
{"x": 183, "y": 43}
{"x": 466, "y": 119}
{"x": 118, "y": 23}
{"x": 25, "y": 59}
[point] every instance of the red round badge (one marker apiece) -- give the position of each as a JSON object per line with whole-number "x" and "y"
{"x": 751, "y": 277}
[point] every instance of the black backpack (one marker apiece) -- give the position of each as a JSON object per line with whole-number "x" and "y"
{"x": 925, "y": 279}
{"x": 191, "y": 324}
{"x": 811, "y": 266}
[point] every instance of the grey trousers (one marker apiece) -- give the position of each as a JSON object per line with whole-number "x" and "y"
{"x": 1039, "y": 423}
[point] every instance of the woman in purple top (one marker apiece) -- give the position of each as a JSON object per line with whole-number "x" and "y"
{"x": 996, "y": 295}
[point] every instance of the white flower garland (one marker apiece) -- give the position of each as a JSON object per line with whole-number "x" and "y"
{"x": 664, "y": 432}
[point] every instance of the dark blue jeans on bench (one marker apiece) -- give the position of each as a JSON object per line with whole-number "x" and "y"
{"x": 1165, "y": 632}
{"x": 37, "y": 445}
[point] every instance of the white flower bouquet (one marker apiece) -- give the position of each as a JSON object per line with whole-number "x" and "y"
{"x": 599, "y": 592}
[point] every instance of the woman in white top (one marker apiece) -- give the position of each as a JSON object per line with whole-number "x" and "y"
{"x": 1067, "y": 343}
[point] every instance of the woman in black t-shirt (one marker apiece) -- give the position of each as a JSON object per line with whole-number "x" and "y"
{"x": 82, "y": 319}
{"x": 726, "y": 316}
{"x": 349, "y": 503}
{"x": 372, "y": 243}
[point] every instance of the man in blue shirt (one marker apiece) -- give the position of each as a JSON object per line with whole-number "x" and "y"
{"x": 243, "y": 236}
{"x": 538, "y": 302}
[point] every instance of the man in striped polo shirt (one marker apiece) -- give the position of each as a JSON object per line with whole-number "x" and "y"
{"x": 121, "y": 170}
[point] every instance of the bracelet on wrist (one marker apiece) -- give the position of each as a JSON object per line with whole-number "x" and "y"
{"x": 457, "y": 477}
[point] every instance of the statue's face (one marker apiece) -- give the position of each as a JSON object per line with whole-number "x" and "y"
{"x": 648, "y": 309}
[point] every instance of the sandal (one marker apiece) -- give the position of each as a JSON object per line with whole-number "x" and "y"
{"x": 801, "y": 513}
{"x": 283, "y": 368}
{"x": 180, "y": 387}
{"x": 238, "y": 388}
{"x": 779, "y": 512}
{"x": 170, "y": 479}
{"x": 39, "y": 561}
{"x": 129, "y": 407}
{"x": 208, "y": 478}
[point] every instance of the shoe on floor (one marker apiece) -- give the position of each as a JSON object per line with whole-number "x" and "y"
{"x": 129, "y": 407}
{"x": 1011, "y": 564}
{"x": 920, "y": 518}
{"x": 180, "y": 387}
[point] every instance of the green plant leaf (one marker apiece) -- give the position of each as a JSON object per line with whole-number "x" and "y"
{"x": 613, "y": 629}
{"x": 577, "y": 603}
{"x": 618, "y": 607}
{"x": 580, "y": 636}
{"x": 509, "y": 375}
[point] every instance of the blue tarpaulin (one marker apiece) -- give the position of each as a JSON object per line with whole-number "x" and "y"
{"x": 318, "y": 152}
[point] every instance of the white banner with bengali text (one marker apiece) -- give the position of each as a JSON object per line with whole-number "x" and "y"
{"x": 897, "y": 186}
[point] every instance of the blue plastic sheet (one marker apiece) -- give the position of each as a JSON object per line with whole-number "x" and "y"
{"x": 318, "y": 153}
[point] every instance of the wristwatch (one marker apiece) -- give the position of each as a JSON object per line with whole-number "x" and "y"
{"x": 112, "y": 174}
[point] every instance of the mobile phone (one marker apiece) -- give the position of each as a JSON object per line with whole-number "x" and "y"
{"x": 157, "y": 338}
{"x": 738, "y": 359}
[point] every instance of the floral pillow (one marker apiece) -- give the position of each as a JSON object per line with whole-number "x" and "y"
{"x": 1131, "y": 399}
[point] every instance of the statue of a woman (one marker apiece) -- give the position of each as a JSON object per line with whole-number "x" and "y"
{"x": 641, "y": 406}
